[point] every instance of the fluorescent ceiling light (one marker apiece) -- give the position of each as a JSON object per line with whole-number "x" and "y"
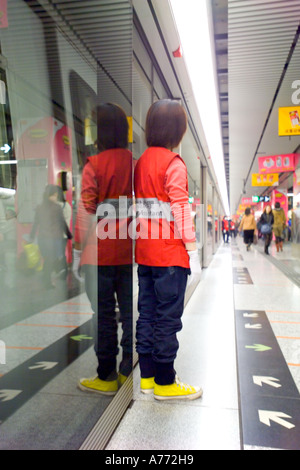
{"x": 193, "y": 23}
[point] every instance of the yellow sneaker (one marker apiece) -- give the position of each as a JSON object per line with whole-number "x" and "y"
{"x": 122, "y": 379}
{"x": 147, "y": 385}
{"x": 96, "y": 385}
{"x": 177, "y": 391}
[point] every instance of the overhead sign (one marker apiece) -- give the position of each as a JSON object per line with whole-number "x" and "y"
{"x": 268, "y": 179}
{"x": 289, "y": 121}
{"x": 241, "y": 209}
{"x": 277, "y": 163}
{"x": 258, "y": 199}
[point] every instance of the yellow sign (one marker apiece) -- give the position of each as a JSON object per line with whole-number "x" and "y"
{"x": 241, "y": 209}
{"x": 289, "y": 121}
{"x": 130, "y": 130}
{"x": 271, "y": 179}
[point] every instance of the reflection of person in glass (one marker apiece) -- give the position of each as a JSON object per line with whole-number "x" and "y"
{"x": 107, "y": 261}
{"x": 50, "y": 224}
{"x": 62, "y": 267}
{"x": 8, "y": 242}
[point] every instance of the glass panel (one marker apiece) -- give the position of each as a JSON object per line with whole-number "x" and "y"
{"x": 141, "y": 55}
{"x": 216, "y": 222}
{"x": 142, "y": 99}
{"x": 65, "y": 196}
{"x": 209, "y": 212}
{"x": 294, "y": 215}
{"x": 158, "y": 87}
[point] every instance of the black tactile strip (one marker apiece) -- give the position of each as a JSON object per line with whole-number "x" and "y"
{"x": 269, "y": 398}
{"x": 241, "y": 276}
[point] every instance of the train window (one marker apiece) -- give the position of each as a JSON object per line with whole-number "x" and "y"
{"x": 142, "y": 94}
{"x": 158, "y": 86}
{"x": 141, "y": 54}
{"x": 63, "y": 180}
{"x": 58, "y": 60}
{"x": 7, "y": 160}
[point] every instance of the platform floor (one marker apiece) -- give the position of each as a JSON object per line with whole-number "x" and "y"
{"x": 240, "y": 342}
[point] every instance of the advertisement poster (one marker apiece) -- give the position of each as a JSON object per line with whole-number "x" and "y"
{"x": 281, "y": 197}
{"x": 3, "y": 14}
{"x": 268, "y": 179}
{"x": 277, "y": 163}
{"x": 289, "y": 121}
{"x": 297, "y": 177}
{"x": 241, "y": 209}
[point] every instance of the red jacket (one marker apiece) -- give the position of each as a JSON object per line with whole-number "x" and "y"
{"x": 100, "y": 226}
{"x": 225, "y": 224}
{"x": 158, "y": 240}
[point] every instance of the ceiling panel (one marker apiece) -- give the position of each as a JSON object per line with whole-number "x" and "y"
{"x": 101, "y": 28}
{"x": 260, "y": 36}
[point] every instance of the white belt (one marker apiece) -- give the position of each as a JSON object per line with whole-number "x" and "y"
{"x": 152, "y": 208}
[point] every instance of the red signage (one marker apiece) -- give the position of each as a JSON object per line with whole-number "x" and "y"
{"x": 247, "y": 201}
{"x": 3, "y": 14}
{"x": 277, "y": 163}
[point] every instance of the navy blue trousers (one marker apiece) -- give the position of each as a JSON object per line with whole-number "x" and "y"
{"x": 105, "y": 285}
{"x": 160, "y": 305}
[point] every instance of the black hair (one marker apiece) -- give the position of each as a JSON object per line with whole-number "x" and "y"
{"x": 50, "y": 190}
{"x": 112, "y": 127}
{"x": 166, "y": 124}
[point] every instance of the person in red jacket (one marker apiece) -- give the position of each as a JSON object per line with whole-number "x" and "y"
{"x": 101, "y": 250}
{"x": 225, "y": 229}
{"x": 165, "y": 251}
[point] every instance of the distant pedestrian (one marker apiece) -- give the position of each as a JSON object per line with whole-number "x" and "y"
{"x": 232, "y": 229}
{"x": 225, "y": 229}
{"x": 266, "y": 227}
{"x": 279, "y": 226}
{"x": 248, "y": 226}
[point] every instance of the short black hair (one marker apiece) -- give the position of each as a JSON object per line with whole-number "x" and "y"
{"x": 112, "y": 127}
{"x": 248, "y": 211}
{"x": 166, "y": 124}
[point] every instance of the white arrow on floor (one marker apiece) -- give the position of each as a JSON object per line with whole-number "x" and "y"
{"x": 266, "y": 380}
{"x": 257, "y": 326}
{"x": 266, "y": 417}
{"x": 7, "y": 395}
{"x": 251, "y": 315}
{"x": 44, "y": 365}
{"x": 6, "y": 148}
